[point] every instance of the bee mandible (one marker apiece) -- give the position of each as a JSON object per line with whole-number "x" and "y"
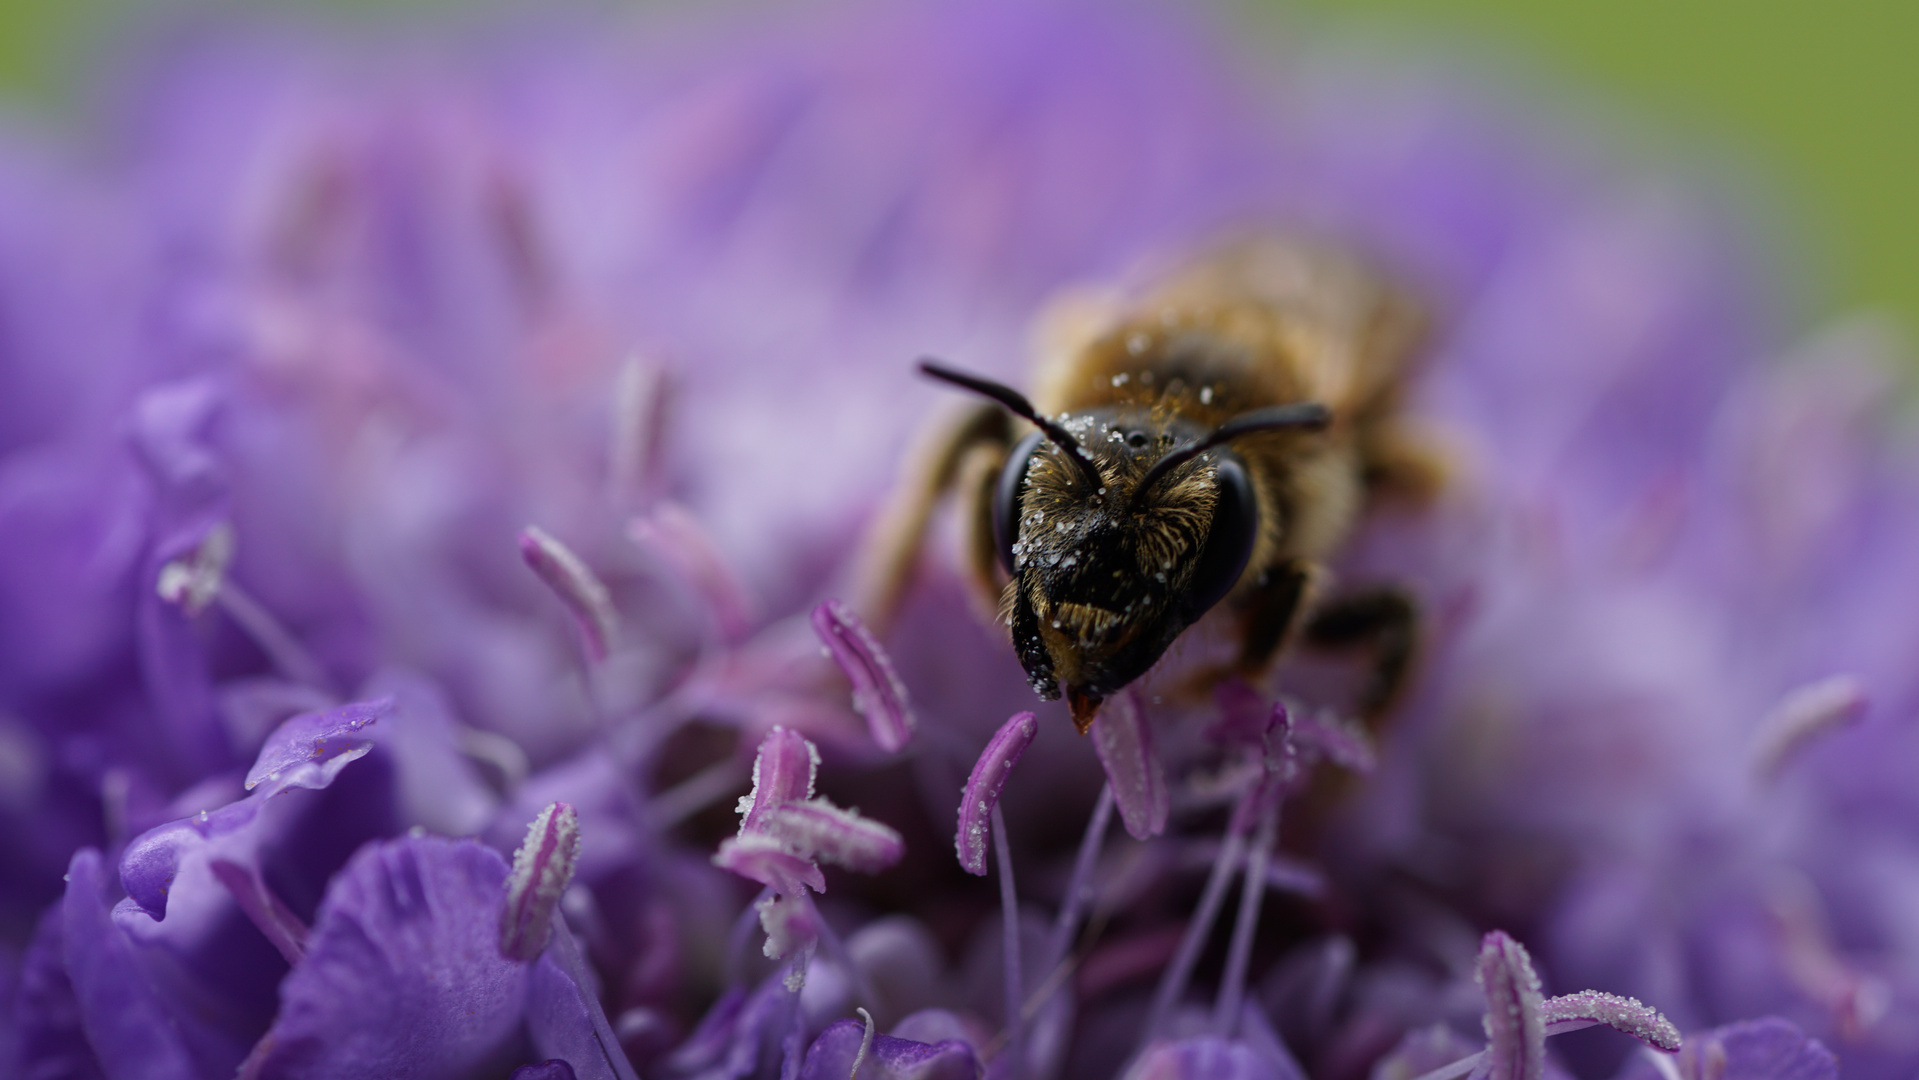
{"x": 1209, "y": 441}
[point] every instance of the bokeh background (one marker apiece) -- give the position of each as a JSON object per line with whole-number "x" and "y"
{"x": 1812, "y": 108}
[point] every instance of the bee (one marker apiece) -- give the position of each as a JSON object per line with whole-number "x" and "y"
{"x": 1207, "y": 441}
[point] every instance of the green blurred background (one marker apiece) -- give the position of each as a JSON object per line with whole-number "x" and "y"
{"x": 1818, "y": 101}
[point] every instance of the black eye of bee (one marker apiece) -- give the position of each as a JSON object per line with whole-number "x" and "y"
{"x": 1137, "y": 440}
{"x": 1229, "y": 543}
{"x": 1006, "y": 497}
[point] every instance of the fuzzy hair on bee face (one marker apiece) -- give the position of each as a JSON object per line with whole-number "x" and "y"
{"x": 1119, "y": 526}
{"x": 1099, "y": 579}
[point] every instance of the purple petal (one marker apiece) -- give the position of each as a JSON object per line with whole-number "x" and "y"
{"x": 734, "y": 1033}
{"x": 1124, "y": 743}
{"x": 675, "y": 538}
{"x": 1766, "y": 1049}
{"x": 584, "y": 594}
{"x": 43, "y": 1034}
{"x": 878, "y": 693}
{"x": 315, "y": 738}
{"x": 152, "y": 861}
{"x": 542, "y": 869}
{"x": 559, "y": 1024}
{"x": 817, "y": 829}
{"x": 983, "y": 788}
{"x": 553, "y": 1069}
{"x": 832, "y": 1054}
{"x": 307, "y": 752}
{"x": 1570, "y": 1012}
{"x": 1208, "y": 1057}
{"x": 130, "y": 1028}
{"x": 403, "y": 974}
{"x": 762, "y": 858}
{"x": 783, "y": 772}
{"x": 1515, "y": 1021}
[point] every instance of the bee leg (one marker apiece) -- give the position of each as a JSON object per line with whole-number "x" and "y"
{"x": 1384, "y": 620}
{"x": 1271, "y": 610}
{"x": 889, "y": 553}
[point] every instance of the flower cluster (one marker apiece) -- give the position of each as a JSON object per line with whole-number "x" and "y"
{"x": 418, "y": 454}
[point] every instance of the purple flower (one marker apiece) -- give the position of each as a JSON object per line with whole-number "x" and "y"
{"x": 849, "y": 1048}
{"x": 403, "y": 443}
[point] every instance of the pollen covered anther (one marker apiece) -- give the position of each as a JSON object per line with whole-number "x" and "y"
{"x": 542, "y": 869}
{"x": 984, "y": 786}
{"x": 817, "y": 829}
{"x": 194, "y": 580}
{"x": 1515, "y": 1020}
{"x": 680, "y": 544}
{"x": 1570, "y": 1012}
{"x": 878, "y": 693}
{"x": 584, "y": 594}
{"x": 784, "y": 770}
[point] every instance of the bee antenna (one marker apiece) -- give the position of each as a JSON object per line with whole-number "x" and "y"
{"x": 1016, "y": 403}
{"x": 1309, "y": 415}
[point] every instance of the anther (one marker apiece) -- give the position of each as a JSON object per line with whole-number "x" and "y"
{"x": 542, "y": 869}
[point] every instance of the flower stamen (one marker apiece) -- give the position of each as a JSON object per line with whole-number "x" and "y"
{"x": 983, "y": 787}
{"x": 584, "y": 594}
{"x": 878, "y": 693}
{"x": 263, "y": 906}
{"x": 1801, "y": 717}
{"x": 542, "y": 869}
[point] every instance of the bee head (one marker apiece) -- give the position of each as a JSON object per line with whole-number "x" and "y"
{"x": 1119, "y": 530}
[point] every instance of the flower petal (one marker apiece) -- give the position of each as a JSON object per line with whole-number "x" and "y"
{"x": 1765, "y": 1049}
{"x": 878, "y": 693}
{"x": 832, "y": 1054}
{"x": 1124, "y": 744}
{"x": 127, "y": 1024}
{"x": 559, "y": 1024}
{"x": 1207, "y": 1057}
{"x": 306, "y": 752}
{"x": 403, "y": 974}
{"x": 315, "y": 738}
{"x": 983, "y": 788}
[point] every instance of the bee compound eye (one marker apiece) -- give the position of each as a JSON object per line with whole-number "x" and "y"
{"x": 1006, "y": 497}
{"x": 1137, "y": 440}
{"x": 1229, "y": 543}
